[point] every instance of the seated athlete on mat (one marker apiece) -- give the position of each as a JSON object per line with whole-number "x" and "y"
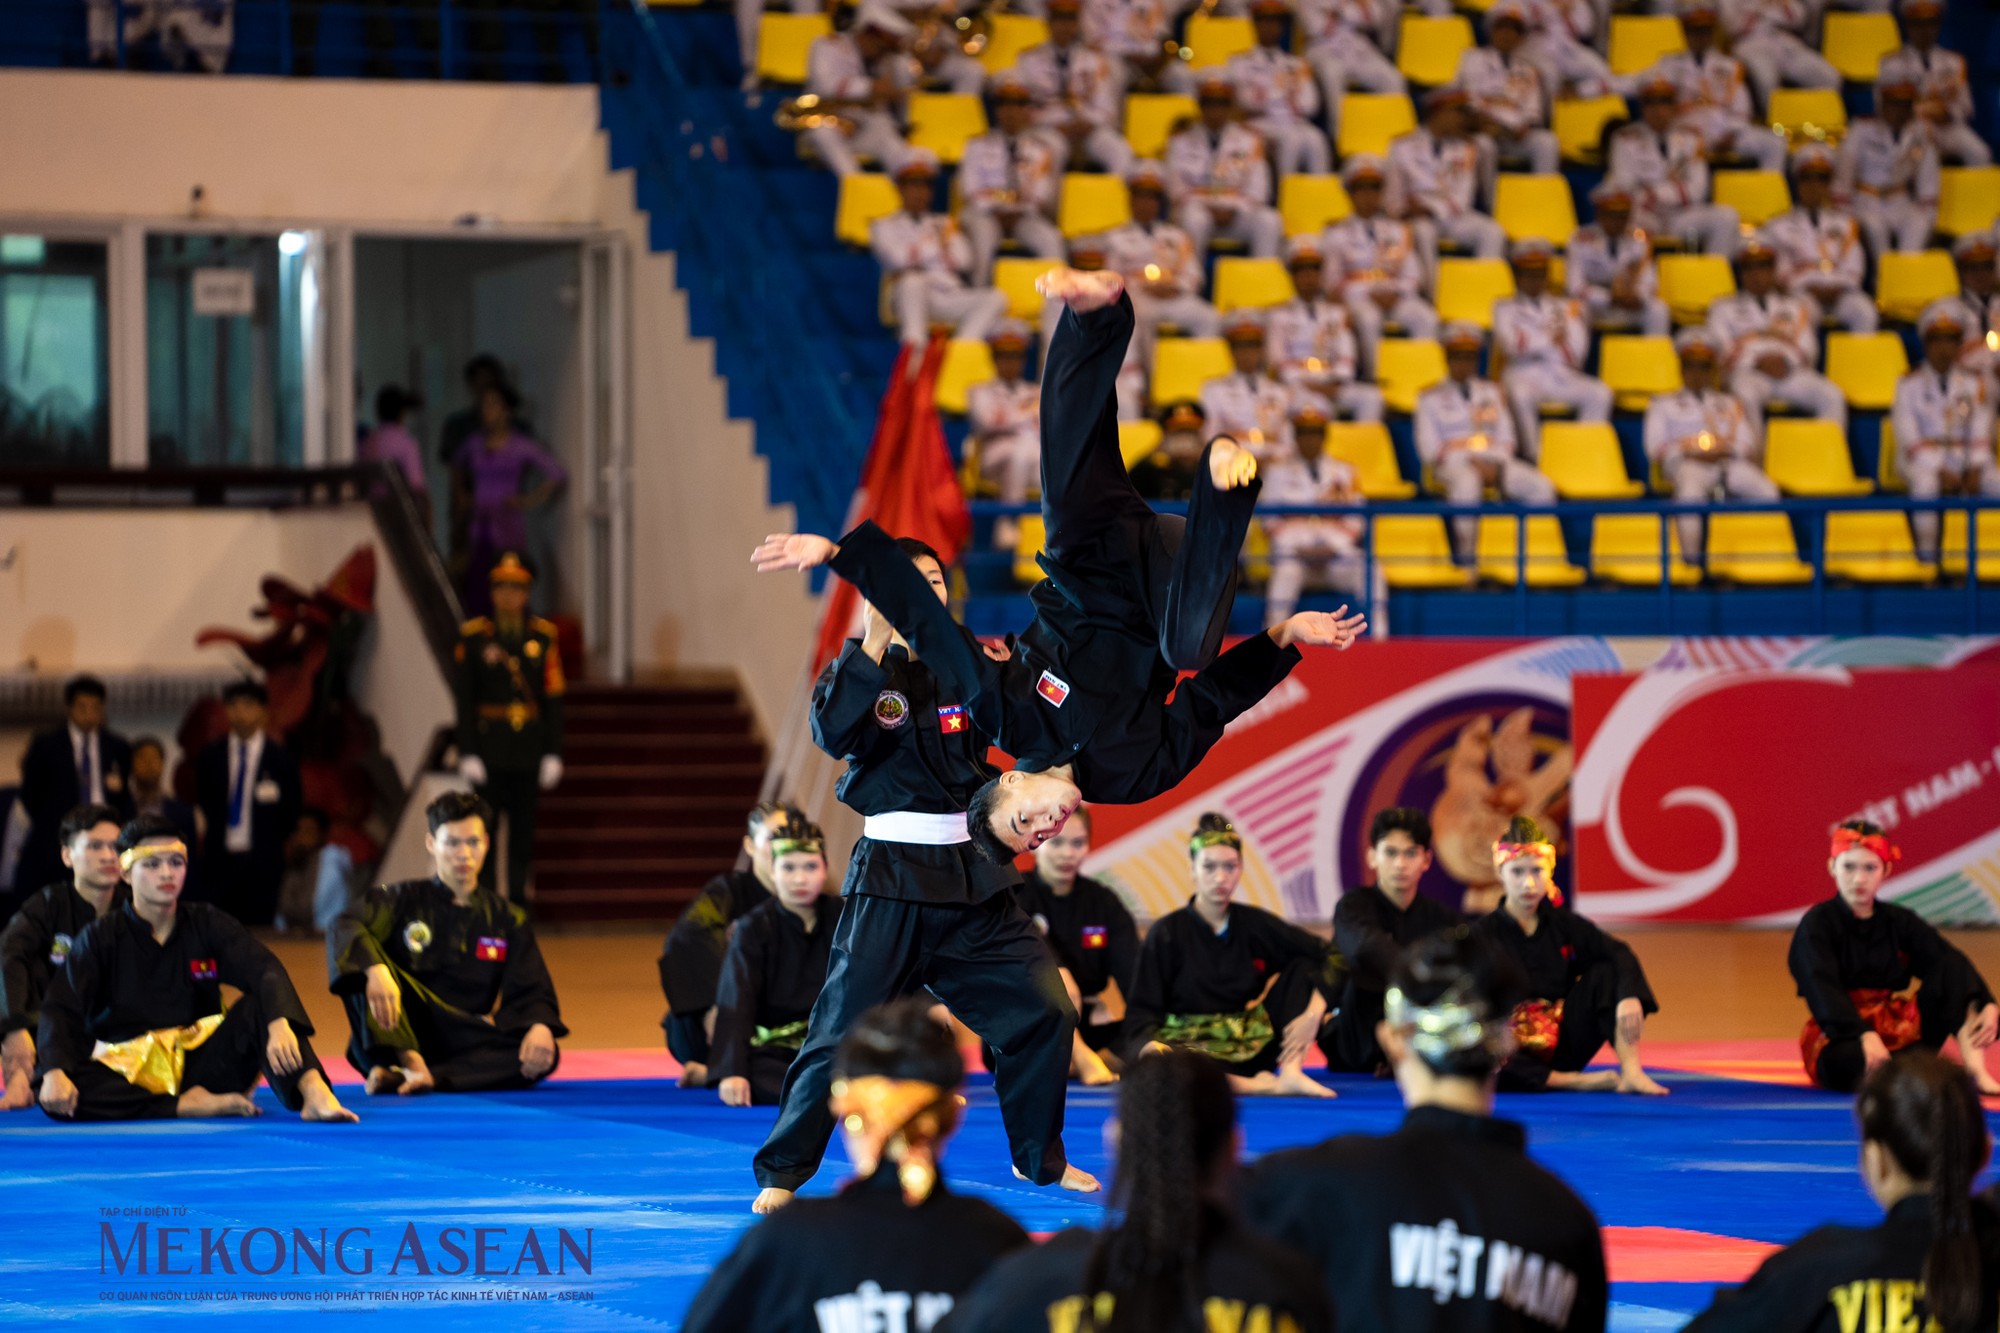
{"x": 1177, "y": 1258}
{"x": 894, "y": 1238}
{"x": 691, "y": 959}
{"x": 1855, "y": 960}
{"x": 1372, "y": 927}
{"x": 1132, "y": 598}
{"x": 773, "y": 971}
{"x": 1585, "y": 988}
{"x": 1095, "y": 942}
{"x": 1235, "y": 983}
{"x": 133, "y": 1025}
{"x": 445, "y": 986}
{"x": 1446, "y": 1224}
{"x": 1932, "y": 1263}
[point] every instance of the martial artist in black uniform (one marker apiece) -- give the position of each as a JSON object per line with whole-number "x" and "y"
{"x": 42, "y": 933}
{"x": 133, "y": 1026}
{"x": 691, "y": 959}
{"x": 1177, "y": 1257}
{"x": 1371, "y": 928}
{"x": 1092, "y": 934}
{"x": 1585, "y": 988}
{"x": 444, "y": 982}
{"x": 895, "y": 1248}
{"x": 773, "y": 972}
{"x": 1231, "y": 981}
{"x": 924, "y": 911}
{"x": 1933, "y": 1262}
{"x": 1854, "y": 959}
{"x": 1446, "y": 1225}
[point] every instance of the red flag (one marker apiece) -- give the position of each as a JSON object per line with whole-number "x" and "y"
{"x": 908, "y": 486}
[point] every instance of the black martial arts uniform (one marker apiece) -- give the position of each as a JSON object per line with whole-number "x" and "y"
{"x": 456, "y": 967}
{"x": 1836, "y": 954}
{"x": 1186, "y": 971}
{"x": 1842, "y": 1279}
{"x": 863, "y": 1259}
{"x": 1569, "y": 962}
{"x": 1246, "y": 1282}
{"x": 41, "y": 935}
{"x": 1445, "y": 1226}
{"x": 770, "y": 979}
{"x": 691, "y": 959}
{"x": 924, "y": 917}
{"x": 1371, "y": 933}
{"x": 1093, "y": 937}
{"x": 119, "y": 983}
{"x": 1132, "y": 597}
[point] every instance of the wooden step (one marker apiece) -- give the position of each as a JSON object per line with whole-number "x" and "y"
{"x": 608, "y": 780}
{"x": 581, "y": 752}
{"x": 626, "y": 719}
{"x": 710, "y": 696}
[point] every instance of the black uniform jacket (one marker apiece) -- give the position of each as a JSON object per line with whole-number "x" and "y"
{"x": 34, "y": 945}
{"x": 1834, "y": 952}
{"x": 1563, "y": 947}
{"x": 1186, "y": 968}
{"x": 1444, "y": 1225}
{"x": 1371, "y": 933}
{"x": 691, "y": 959}
{"x": 771, "y": 977}
{"x": 1089, "y": 930}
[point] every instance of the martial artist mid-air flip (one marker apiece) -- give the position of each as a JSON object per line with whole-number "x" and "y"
{"x": 1132, "y": 599}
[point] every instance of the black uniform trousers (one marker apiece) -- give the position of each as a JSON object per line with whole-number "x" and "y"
{"x": 1589, "y": 1023}
{"x": 768, "y": 1067}
{"x": 1099, "y": 526}
{"x": 513, "y": 793}
{"x": 229, "y": 1061}
{"x": 687, "y": 1037}
{"x": 1948, "y": 989}
{"x": 464, "y": 1052}
{"x": 1348, "y": 1039}
{"x": 987, "y": 964}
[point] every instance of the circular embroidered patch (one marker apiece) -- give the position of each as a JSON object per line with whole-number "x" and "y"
{"x": 416, "y": 937}
{"x": 892, "y": 710}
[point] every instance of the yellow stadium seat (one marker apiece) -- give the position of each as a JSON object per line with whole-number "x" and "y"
{"x": 1690, "y": 284}
{"x": 1404, "y": 368}
{"x": 943, "y": 122}
{"x": 1212, "y": 38}
{"x": 1182, "y": 365}
{"x": 1579, "y": 125}
{"x": 1008, "y": 35}
{"x": 1138, "y": 440}
{"x": 1414, "y": 552}
{"x": 864, "y": 196}
{"x": 967, "y": 361}
{"x": 1537, "y": 207}
{"x": 1874, "y": 546}
{"x": 1867, "y": 367}
{"x": 1151, "y": 119}
{"x": 1241, "y": 282}
{"x": 1638, "y": 41}
{"x": 1365, "y": 447}
{"x": 1309, "y": 204}
{"x": 1888, "y": 476}
{"x": 1806, "y": 456}
{"x": 1754, "y": 548}
{"x": 1497, "y": 552}
{"x": 1968, "y": 199}
{"x": 1757, "y": 196}
{"x": 1467, "y": 289}
{"x": 1625, "y": 548}
{"x": 1027, "y": 546}
{"x": 1854, "y": 44}
{"x": 1091, "y": 203}
{"x": 1906, "y": 283}
{"x": 1428, "y": 51}
{"x": 1953, "y": 557}
{"x": 783, "y": 41}
{"x": 1808, "y": 113}
{"x": 1016, "y": 276}
{"x": 1637, "y": 368}
{"x": 1370, "y": 122}
{"x": 1584, "y": 461}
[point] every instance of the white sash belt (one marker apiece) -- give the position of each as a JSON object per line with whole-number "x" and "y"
{"x": 912, "y": 826}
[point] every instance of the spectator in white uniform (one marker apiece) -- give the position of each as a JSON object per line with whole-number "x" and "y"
{"x": 862, "y": 75}
{"x": 1545, "y": 341}
{"x": 1164, "y": 273}
{"x": 1006, "y": 417}
{"x": 1820, "y": 251}
{"x": 1379, "y": 271}
{"x": 1944, "y": 94}
{"x": 927, "y": 260}
{"x": 1344, "y": 41}
{"x": 1324, "y": 545}
{"x": 1077, "y": 90}
{"x": 1767, "y": 36}
{"x": 1434, "y": 176}
{"x": 1248, "y": 405}
{"x": 1508, "y": 96}
{"x": 1771, "y": 340}
{"x": 1465, "y": 435}
{"x": 1219, "y": 179}
{"x": 1703, "y": 439}
{"x": 1944, "y": 425}
{"x": 1008, "y": 180}
{"x": 1278, "y": 95}
{"x": 1714, "y": 92}
{"x": 1311, "y": 337}
{"x": 1610, "y": 268}
{"x": 1889, "y": 172}
{"x": 1666, "y": 169}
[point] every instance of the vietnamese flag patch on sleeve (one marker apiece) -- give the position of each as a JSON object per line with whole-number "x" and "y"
{"x": 951, "y": 719}
{"x": 1096, "y": 937}
{"x": 490, "y": 949}
{"x": 1053, "y": 688}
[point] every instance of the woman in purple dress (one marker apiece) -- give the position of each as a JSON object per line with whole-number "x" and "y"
{"x": 492, "y": 476}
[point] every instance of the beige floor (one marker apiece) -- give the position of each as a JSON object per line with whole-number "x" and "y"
{"x": 1713, "y": 984}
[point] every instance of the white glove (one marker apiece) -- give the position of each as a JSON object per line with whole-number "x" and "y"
{"x": 473, "y": 769}
{"x": 551, "y": 772}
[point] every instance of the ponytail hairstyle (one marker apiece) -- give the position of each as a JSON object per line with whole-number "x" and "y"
{"x": 1176, "y": 1120}
{"x": 1925, "y": 1112}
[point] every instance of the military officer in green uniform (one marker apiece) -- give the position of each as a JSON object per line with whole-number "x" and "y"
{"x": 510, "y": 693}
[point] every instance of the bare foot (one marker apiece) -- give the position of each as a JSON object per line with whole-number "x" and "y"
{"x": 693, "y": 1075}
{"x": 18, "y": 1096}
{"x": 1254, "y": 1085}
{"x": 770, "y": 1201}
{"x": 1975, "y": 1065}
{"x": 1298, "y": 1083}
{"x": 1074, "y": 1179}
{"x": 383, "y": 1079}
{"x": 1639, "y": 1081}
{"x": 1081, "y": 291}
{"x": 1091, "y": 1070}
{"x": 197, "y": 1103}
{"x": 1230, "y": 465}
{"x": 1603, "y": 1081}
{"x": 416, "y": 1082}
{"x": 323, "y": 1108}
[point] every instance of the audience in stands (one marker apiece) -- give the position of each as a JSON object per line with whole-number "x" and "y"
{"x": 1771, "y": 341}
{"x": 1249, "y": 406}
{"x": 1766, "y": 36}
{"x": 1381, "y": 272}
{"x": 1889, "y": 172}
{"x": 1311, "y": 337}
{"x": 862, "y": 78}
{"x": 1327, "y": 546}
{"x": 1465, "y": 436}
{"x": 180, "y": 32}
{"x": 1703, "y": 439}
{"x": 1714, "y": 93}
{"x": 1278, "y": 94}
{"x": 1544, "y": 341}
{"x": 1944, "y": 94}
{"x": 1219, "y": 178}
{"x": 1979, "y": 298}
{"x": 1507, "y": 94}
{"x": 1611, "y": 268}
{"x": 1006, "y": 417}
{"x": 1008, "y": 180}
{"x": 1435, "y": 172}
{"x": 1344, "y": 43}
{"x": 1819, "y": 246}
{"x": 1666, "y": 168}
{"x": 1077, "y": 91}
{"x": 928, "y": 261}
{"x": 1164, "y": 273}
{"x": 1944, "y": 422}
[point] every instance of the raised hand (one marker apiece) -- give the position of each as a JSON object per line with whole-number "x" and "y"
{"x": 1081, "y": 291}
{"x": 799, "y": 550}
{"x": 1230, "y": 465}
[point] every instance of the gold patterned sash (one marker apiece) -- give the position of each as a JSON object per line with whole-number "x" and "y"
{"x": 156, "y": 1060}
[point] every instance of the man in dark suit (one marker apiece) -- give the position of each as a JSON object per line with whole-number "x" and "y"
{"x": 247, "y": 788}
{"x": 78, "y": 763}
